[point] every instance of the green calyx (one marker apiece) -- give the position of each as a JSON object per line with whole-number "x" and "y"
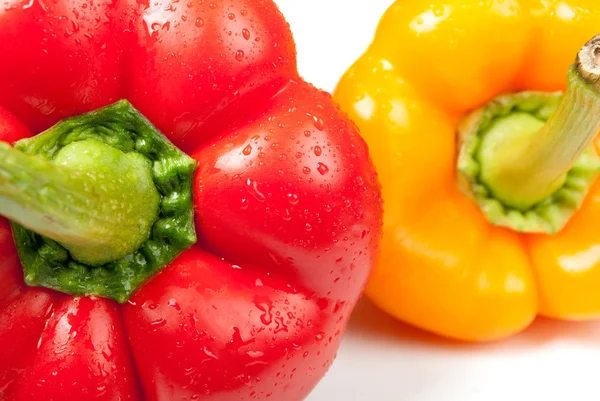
{"x": 526, "y": 158}
{"x": 99, "y": 203}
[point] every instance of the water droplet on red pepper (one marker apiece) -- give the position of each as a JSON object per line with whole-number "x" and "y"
{"x": 293, "y": 199}
{"x": 255, "y": 354}
{"x": 158, "y": 323}
{"x": 323, "y": 169}
{"x": 265, "y": 307}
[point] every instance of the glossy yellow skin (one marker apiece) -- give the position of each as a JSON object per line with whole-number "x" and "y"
{"x": 443, "y": 267}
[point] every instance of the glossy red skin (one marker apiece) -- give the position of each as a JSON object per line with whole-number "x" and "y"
{"x": 287, "y": 205}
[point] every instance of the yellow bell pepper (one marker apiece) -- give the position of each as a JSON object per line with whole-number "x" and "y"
{"x": 482, "y": 129}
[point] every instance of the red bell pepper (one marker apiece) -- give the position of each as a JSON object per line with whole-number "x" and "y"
{"x": 220, "y": 264}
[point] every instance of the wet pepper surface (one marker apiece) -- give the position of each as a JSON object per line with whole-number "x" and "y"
{"x": 287, "y": 205}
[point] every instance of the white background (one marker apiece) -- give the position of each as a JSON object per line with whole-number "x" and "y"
{"x": 384, "y": 360}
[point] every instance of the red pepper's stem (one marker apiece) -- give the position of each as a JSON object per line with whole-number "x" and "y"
{"x": 96, "y": 201}
{"x": 100, "y": 202}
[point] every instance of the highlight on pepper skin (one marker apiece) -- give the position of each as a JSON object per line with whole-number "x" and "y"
{"x": 483, "y": 132}
{"x": 186, "y": 218}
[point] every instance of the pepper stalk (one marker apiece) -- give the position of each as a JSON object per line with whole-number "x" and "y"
{"x": 99, "y": 202}
{"x": 528, "y": 158}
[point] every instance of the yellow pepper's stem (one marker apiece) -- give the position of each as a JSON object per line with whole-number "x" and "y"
{"x": 531, "y": 165}
{"x": 532, "y": 155}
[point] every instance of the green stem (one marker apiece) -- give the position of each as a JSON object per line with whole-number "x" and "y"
{"x": 99, "y": 203}
{"x": 79, "y": 199}
{"x": 527, "y": 158}
{"x": 523, "y": 160}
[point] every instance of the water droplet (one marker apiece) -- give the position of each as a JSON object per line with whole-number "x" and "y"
{"x": 231, "y": 16}
{"x": 281, "y": 326}
{"x": 308, "y": 227}
{"x": 258, "y": 282}
{"x": 209, "y": 354}
{"x": 247, "y": 150}
{"x": 305, "y": 355}
{"x": 244, "y": 204}
{"x": 318, "y": 151}
{"x": 75, "y": 27}
{"x": 158, "y": 323}
{"x": 199, "y": 22}
{"x": 293, "y": 199}
{"x": 318, "y": 121}
{"x": 267, "y": 316}
{"x": 239, "y": 55}
{"x": 306, "y": 170}
{"x": 244, "y": 12}
{"x": 286, "y": 215}
{"x": 173, "y": 303}
{"x": 253, "y": 189}
{"x": 255, "y": 354}
{"x": 323, "y": 169}
{"x": 320, "y": 336}
{"x": 246, "y": 34}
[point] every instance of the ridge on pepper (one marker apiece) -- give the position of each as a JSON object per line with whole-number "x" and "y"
{"x": 190, "y": 219}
